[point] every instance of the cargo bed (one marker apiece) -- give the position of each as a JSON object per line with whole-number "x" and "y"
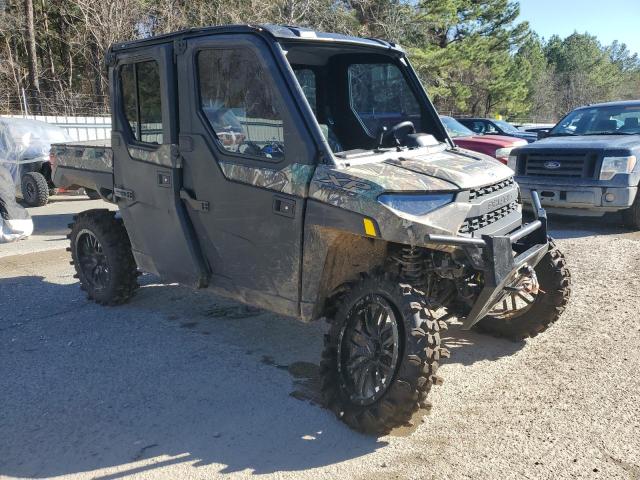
{"x": 87, "y": 164}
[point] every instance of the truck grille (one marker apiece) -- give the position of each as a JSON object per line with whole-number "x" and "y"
{"x": 476, "y": 193}
{"x": 581, "y": 165}
{"x": 472, "y": 224}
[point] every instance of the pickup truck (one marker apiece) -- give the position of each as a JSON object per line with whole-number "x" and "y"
{"x": 308, "y": 174}
{"x": 587, "y": 164}
{"x": 492, "y": 126}
{"x": 496, "y": 146}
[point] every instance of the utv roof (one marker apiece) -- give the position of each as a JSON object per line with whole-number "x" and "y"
{"x": 276, "y": 32}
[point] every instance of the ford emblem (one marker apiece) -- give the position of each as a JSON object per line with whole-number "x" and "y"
{"x": 552, "y": 165}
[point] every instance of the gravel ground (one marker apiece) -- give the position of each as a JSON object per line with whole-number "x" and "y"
{"x": 181, "y": 384}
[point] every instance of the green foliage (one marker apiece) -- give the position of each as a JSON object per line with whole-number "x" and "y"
{"x": 473, "y": 56}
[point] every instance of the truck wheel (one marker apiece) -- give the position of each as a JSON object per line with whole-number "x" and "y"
{"x": 531, "y": 311}
{"x": 631, "y": 216}
{"x": 101, "y": 254}
{"x": 35, "y": 190}
{"x": 381, "y": 354}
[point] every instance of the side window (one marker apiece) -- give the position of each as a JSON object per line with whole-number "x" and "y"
{"x": 490, "y": 128}
{"x": 380, "y": 96}
{"x": 240, "y": 102}
{"x": 477, "y": 127}
{"x": 307, "y": 80}
{"x": 141, "y": 100}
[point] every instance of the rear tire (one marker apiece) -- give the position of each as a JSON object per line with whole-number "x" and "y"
{"x": 549, "y": 304}
{"x": 631, "y": 216}
{"x": 101, "y": 254}
{"x": 35, "y": 189}
{"x": 396, "y": 388}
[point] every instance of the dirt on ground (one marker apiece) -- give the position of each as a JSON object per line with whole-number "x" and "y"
{"x": 182, "y": 384}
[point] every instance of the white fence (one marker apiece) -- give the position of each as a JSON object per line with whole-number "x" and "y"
{"x": 78, "y": 128}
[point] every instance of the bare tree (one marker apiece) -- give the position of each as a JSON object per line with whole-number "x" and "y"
{"x": 32, "y": 58}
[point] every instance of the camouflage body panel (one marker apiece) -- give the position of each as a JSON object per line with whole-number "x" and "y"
{"x": 356, "y": 188}
{"x": 463, "y": 168}
{"x": 293, "y": 179}
{"x": 96, "y": 155}
{"x": 165, "y": 155}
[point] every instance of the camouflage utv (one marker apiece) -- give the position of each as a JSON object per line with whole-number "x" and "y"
{"x": 308, "y": 174}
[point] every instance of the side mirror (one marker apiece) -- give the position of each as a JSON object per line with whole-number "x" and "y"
{"x": 543, "y": 134}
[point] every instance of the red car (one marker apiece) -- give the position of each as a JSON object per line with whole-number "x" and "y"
{"x": 496, "y": 146}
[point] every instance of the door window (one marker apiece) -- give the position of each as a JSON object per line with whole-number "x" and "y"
{"x": 239, "y": 100}
{"x": 141, "y": 100}
{"x": 380, "y": 96}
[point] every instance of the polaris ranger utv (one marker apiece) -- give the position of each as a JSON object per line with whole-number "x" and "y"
{"x": 309, "y": 174}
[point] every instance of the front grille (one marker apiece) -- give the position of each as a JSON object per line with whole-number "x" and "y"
{"x": 581, "y": 165}
{"x": 473, "y": 224}
{"x": 482, "y": 191}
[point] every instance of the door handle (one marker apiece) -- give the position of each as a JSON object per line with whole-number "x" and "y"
{"x": 284, "y": 206}
{"x": 195, "y": 204}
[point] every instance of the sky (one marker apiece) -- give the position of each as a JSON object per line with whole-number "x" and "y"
{"x": 608, "y": 20}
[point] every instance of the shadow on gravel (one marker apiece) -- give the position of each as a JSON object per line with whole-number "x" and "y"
{"x": 173, "y": 377}
{"x": 469, "y": 346}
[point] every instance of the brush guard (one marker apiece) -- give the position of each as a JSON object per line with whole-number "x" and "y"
{"x": 494, "y": 256}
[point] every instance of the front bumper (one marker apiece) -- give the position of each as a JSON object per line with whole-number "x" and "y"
{"x": 578, "y": 199}
{"x": 494, "y": 256}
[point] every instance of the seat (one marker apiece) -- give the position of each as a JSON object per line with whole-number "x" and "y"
{"x": 606, "y": 125}
{"x": 631, "y": 124}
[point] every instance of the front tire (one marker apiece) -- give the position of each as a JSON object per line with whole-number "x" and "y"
{"x": 101, "y": 254}
{"x": 381, "y": 354}
{"x": 545, "y": 308}
{"x": 35, "y": 189}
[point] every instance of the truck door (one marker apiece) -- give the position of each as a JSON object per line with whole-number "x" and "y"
{"x": 248, "y": 160}
{"x": 146, "y": 166}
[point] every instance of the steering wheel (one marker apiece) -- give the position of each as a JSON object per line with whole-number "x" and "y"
{"x": 406, "y": 128}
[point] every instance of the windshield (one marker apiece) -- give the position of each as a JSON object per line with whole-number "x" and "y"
{"x": 380, "y": 96}
{"x": 603, "y": 120}
{"x": 455, "y": 128}
{"x": 506, "y": 127}
{"x": 358, "y": 96}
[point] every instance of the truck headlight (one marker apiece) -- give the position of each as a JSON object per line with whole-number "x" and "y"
{"x": 614, "y": 165}
{"x": 502, "y": 154}
{"x": 512, "y": 162}
{"x": 416, "y": 205}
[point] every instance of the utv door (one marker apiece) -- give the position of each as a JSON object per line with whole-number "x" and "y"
{"x": 146, "y": 166}
{"x": 248, "y": 161}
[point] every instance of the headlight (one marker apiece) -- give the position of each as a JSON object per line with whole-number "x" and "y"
{"x": 415, "y": 204}
{"x": 613, "y": 165}
{"x": 502, "y": 154}
{"x": 512, "y": 163}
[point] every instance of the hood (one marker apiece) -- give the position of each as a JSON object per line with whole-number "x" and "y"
{"x": 446, "y": 170}
{"x": 587, "y": 142}
{"x": 498, "y": 141}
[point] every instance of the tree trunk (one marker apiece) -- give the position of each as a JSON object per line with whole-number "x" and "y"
{"x": 32, "y": 59}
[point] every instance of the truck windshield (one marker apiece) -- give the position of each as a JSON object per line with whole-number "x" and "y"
{"x": 506, "y": 127}
{"x": 455, "y": 128}
{"x": 602, "y": 120}
{"x": 357, "y": 96}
